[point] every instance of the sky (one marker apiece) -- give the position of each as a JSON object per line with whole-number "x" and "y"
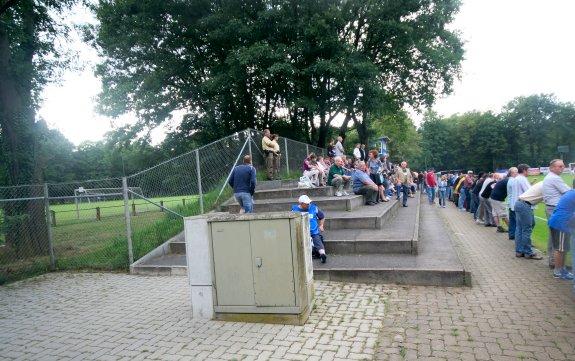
{"x": 512, "y": 48}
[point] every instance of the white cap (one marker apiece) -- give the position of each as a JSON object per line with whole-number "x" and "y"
{"x": 304, "y": 199}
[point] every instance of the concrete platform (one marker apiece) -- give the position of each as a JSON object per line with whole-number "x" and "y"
{"x": 398, "y": 235}
{"x": 436, "y": 263}
{"x": 166, "y": 265}
{"x": 293, "y": 193}
{"x": 364, "y": 217}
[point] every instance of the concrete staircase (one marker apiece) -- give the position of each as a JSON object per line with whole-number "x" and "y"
{"x": 368, "y": 244}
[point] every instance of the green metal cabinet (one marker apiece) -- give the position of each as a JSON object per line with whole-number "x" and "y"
{"x": 261, "y": 267}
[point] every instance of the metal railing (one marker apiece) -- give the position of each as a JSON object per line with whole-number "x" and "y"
{"x": 107, "y": 224}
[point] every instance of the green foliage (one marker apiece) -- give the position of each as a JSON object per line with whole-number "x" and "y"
{"x": 528, "y": 130}
{"x": 230, "y": 64}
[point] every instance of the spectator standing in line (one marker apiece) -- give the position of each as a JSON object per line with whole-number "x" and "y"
{"x": 357, "y": 152}
{"x": 458, "y": 189}
{"x": 511, "y": 199}
{"x": 337, "y": 177}
{"x": 553, "y": 188}
{"x": 338, "y": 150}
{"x": 430, "y": 184}
{"x": 498, "y": 207}
{"x": 276, "y": 156}
{"x": 363, "y": 185}
{"x": 442, "y": 190}
{"x": 468, "y": 184}
{"x": 475, "y": 194}
{"x": 563, "y": 221}
{"x": 421, "y": 180}
{"x": 243, "y": 181}
{"x": 524, "y": 206}
{"x": 268, "y": 148}
{"x": 404, "y": 181}
{"x": 481, "y": 216}
{"x": 486, "y": 194}
{"x": 316, "y": 221}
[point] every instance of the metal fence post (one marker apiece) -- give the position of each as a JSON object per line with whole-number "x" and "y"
{"x": 128, "y": 217}
{"x": 250, "y": 143}
{"x": 199, "y": 175}
{"x": 306, "y": 150}
{"x": 49, "y": 225}
{"x": 287, "y": 157}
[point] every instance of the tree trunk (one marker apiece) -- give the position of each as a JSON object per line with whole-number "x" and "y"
{"x": 24, "y": 220}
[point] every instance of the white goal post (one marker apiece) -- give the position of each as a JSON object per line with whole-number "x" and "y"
{"x": 90, "y": 195}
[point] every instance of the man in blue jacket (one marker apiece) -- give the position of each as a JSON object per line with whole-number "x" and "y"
{"x": 243, "y": 181}
{"x": 316, "y": 220}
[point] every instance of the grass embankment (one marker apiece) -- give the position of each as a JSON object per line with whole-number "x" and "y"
{"x": 541, "y": 231}
{"x": 102, "y": 245}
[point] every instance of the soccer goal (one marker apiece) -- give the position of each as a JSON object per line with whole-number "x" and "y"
{"x": 94, "y": 195}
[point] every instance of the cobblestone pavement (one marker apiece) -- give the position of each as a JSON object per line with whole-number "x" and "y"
{"x": 114, "y": 316}
{"x": 514, "y": 310}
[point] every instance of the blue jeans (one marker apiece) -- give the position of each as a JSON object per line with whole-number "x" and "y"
{"x": 474, "y": 203}
{"x": 405, "y": 191}
{"x": 512, "y": 224}
{"x": 442, "y": 194}
{"x": 450, "y": 193}
{"x": 317, "y": 243}
{"x": 462, "y": 196}
{"x": 431, "y": 194}
{"x": 246, "y": 201}
{"x": 524, "y": 226}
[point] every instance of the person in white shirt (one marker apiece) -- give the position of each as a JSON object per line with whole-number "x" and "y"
{"x": 338, "y": 148}
{"x": 357, "y": 152}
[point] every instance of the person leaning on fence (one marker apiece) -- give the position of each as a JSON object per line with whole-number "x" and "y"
{"x": 553, "y": 188}
{"x": 363, "y": 185}
{"x": 268, "y": 148}
{"x": 316, "y": 220}
{"x": 528, "y": 197}
{"x": 243, "y": 181}
{"x": 562, "y": 221}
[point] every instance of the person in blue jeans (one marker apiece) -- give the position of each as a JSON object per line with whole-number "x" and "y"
{"x": 404, "y": 180}
{"x": 442, "y": 190}
{"x": 316, "y": 220}
{"x": 243, "y": 181}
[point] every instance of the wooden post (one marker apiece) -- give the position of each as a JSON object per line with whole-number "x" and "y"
{"x": 162, "y": 206}
{"x": 98, "y": 216}
{"x": 53, "y": 213}
{"x": 133, "y": 208}
{"x": 184, "y": 201}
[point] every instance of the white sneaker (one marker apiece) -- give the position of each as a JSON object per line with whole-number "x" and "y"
{"x": 338, "y": 194}
{"x": 345, "y": 193}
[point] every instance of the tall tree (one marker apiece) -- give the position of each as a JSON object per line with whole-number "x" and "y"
{"x": 234, "y": 64}
{"x": 28, "y": 60}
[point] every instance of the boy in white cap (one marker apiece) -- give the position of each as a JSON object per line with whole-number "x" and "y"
{"x": 316, "y": 220}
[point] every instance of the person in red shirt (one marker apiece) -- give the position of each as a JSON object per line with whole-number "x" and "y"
{"x": 431, "y": 185}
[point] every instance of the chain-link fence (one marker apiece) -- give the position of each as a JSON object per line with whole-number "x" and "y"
{"x": 107, "y": 224}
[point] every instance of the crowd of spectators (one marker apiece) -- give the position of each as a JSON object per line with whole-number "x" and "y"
{"x": 507, "y": 200}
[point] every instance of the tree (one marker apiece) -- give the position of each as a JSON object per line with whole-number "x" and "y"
{"x": 232, "y": 64}
{"x": 28, "y": 60}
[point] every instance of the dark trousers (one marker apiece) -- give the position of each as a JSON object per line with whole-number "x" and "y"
{"x": 512, "y": 224}
{"x": 405, "y": 191}
{"x": 317, "y": 244}
{"x": 369, "y": 193}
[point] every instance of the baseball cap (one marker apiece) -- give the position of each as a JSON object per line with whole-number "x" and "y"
{"x": 304, "y": 199}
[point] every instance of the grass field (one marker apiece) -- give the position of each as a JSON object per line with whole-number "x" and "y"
{"x": 541, "y": 232}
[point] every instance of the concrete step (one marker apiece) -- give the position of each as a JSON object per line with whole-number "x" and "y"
{"x": 398, "y": 235}
{"x": 436, "y": 262}
{"x": 293, "y": 193}
{"x": 177, "y": 247}
{"x": 364, "y": 217}
{"x": 166, "y": 265}
{"x": 276, "y": 184}
{"x": 343, "y": 203}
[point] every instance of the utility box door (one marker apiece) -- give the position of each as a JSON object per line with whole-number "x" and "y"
{"x": 272, "y": 263}
{"x": 232, "y": 263}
